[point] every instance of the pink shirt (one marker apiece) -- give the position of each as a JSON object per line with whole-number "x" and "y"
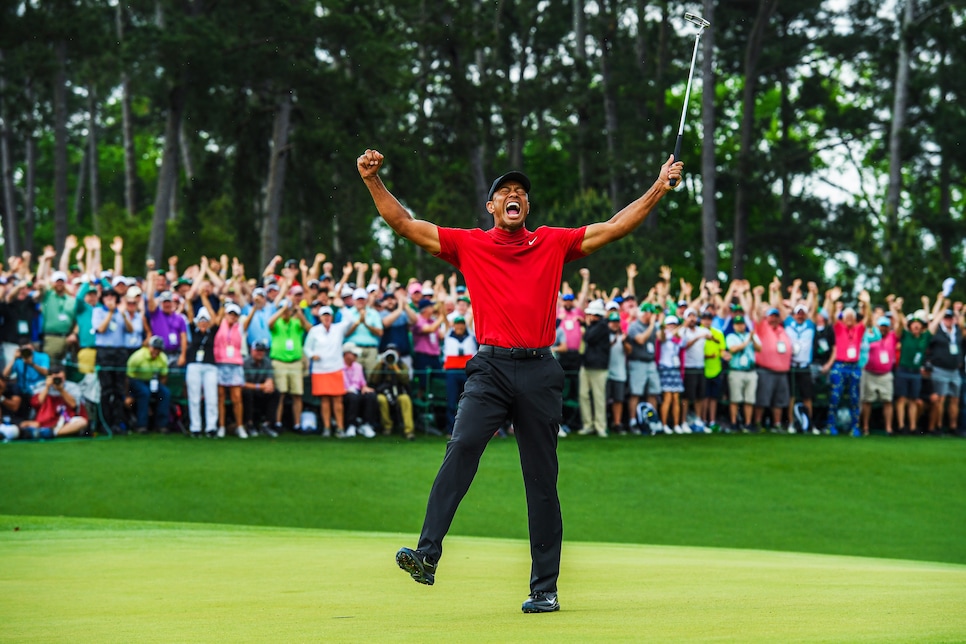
{"x": 776, "y": 348}
{"x": 228, "y": 344}
{"x": 882, "y": 355}
{"x": 848, "y": 341}
{"x": 425, "y": 341}
{"x": 570, "y": 323}
{"x": 353, "y": 377}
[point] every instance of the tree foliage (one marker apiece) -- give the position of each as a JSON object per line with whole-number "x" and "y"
{"x": 455, "y": 93}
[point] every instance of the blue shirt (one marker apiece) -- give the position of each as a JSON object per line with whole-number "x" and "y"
{"x": 113, "y": 336}
{"x": 362, "y": 336}
{"x": 258, "y": 327}
{"x": 802, "y": 337}
{"x": 27, "y": 376}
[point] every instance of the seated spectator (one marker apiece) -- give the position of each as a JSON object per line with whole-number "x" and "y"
{"x": 10, "y": 402}
{"x": 147, "y": 371}
{"x": 359, "y": 401}
{"x": 58, "y": 407}
{"x": 28, "y": 370}
{"x": 390, "y": 379}
{"x": 259, "y": 393}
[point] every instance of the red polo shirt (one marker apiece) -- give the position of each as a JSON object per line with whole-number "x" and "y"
{"x": 513, "y": 279}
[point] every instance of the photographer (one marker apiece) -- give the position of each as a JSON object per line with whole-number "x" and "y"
{"x": 59, "y": 412}
{"x": 26, "y": 372}
{"x": 390, "y": 379}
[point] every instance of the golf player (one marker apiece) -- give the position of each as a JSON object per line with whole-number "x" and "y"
{"x": 513, "y": 276}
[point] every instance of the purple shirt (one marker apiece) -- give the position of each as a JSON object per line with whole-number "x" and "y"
{"x": 169, "y": 328}
{"x": 424, "y": 340}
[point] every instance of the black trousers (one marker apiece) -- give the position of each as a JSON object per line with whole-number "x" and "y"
{"x": 112, "y": 373}
{"x": 529, "y": 392}
{"x": 360, "y": 407}
{"x": 258, "y": 406}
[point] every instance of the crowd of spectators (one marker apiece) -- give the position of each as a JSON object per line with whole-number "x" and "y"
{"x": 207, "y": 350}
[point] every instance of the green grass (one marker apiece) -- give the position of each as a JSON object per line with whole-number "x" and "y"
{"x": 82, "y": 580}
{"x": 878, "y": 497}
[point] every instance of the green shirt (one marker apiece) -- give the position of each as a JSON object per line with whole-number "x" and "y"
{"x": 58, "y": 312}
{"x": 287, "y": 340}
{"x": 84, "y": 314}
{"x": 913, "y": 352}
{"x": 713, "y": 347}
{"x": 142, "y": 366}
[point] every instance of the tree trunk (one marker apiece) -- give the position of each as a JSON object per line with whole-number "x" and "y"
{"x": 30, "y": 196}
{"x": 478, "y": 172}
{"x": 167, "y": 175}
{"x": 784, "y": 204}
{"x": 709, "y": 172}
{"x": 276, "y": 178}
{"x": 894, "y": 191}
{"x": 60, "y": 146}
{"x": 743, "y": 167}
{"x": 186, "y": 163}
{"x": 127, "y": 128}
{"x": 583, "y": 115}
{"x": 79, "y": 190}
{"x": 610, "y": 108}
{"x": 93, "y": 166}
{"x": 11, "y": 227}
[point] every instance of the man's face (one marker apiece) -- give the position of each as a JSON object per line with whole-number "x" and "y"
{"x": 568, "y": 304}
{"x": 801, "y": 315}
{"x": 167, "y": 306}
{"x": 360, "y": 304}
{"x": 510, "y": 206}
{"x": 691, "y": 321}
{"x": 915, "y": 328}
{"x": 349, "y": 357}
{"x": 774, "y": 319}
{"x": 155, "y": 353}
{"x": 60, "y": 287}
{"x": 705, "y": 321}
{"x": 258, "y": 354}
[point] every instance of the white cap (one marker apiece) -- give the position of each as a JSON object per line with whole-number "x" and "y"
{"x": 372, "y": 288}
{"x": 800, "y": 307}
{"x": 351, "y": 347}
{"x": 671, "y": 319}
{"x": 689, "y": 312}
{"x": 120, "y": 279}
{"x": 58, "y": 276}
{"x": 427, "y": 290}
{"x": 203, "y": 315}
{"x": 325, "y": 310}
{"x": 360, "y": 294}
{"x": 613, "y": 306}
{"x": 231, "y": 307}
{"x": 133, "y": 293}
{"x": 346, "y": 291}
{"x": 595, "y": 308}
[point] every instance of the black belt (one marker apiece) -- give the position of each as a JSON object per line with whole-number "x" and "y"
{"x": 800, "y": 365}
{"x": 516, "y": 354}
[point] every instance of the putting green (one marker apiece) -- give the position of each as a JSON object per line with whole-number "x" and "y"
{"x": 121, "y": 581}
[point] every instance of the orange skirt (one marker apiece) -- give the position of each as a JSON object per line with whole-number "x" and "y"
{"x": 328, "y": 384}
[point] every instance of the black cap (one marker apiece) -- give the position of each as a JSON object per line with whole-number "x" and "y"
{"x": 514, "y": 175}
{"x": 259, "y": 345}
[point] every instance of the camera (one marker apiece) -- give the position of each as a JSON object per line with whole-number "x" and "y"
{"x": 26, "y": 353}
{"x": 390, "y": 357}
{"x": 58, "y": 380}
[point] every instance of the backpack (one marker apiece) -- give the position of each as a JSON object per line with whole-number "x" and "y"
{"x": 647, "y": 417}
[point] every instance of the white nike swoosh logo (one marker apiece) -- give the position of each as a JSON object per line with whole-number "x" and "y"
{"x": 530, "y": 243}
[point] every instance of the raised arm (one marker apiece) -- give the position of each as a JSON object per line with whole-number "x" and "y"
{"x": 422, "y": 233}
{"x": 598, "y": 235}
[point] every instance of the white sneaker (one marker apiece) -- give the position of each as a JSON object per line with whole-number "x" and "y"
{"x": 585, "y": 431}
{"x": 221, "y": 432}
{"x": 350, "y": 431}
{"x": 667, "y": 430}
{"x": 685, "y": 428}
{"x": 698, "y": 427}
{"x": 339, "y": 433}
{"x": 326, "y": 433}
{"x": 366, "y": 430}
{"x": 561, "y": 433}
{"x": 791, "y": 428}
{"x": 240, "y": 432}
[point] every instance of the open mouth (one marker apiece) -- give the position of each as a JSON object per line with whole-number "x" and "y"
{"x": 513, "y": 208}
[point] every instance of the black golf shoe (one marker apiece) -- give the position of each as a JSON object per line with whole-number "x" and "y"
{"x": 541, "y": 602}
{"x": 417, "y": 564}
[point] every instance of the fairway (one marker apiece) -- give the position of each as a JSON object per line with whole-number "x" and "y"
{"x": 123, "y": 581}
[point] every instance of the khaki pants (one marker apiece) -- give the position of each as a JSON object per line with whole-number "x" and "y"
{"x": 55, "y": 346}
{"x": 593, "y": 399}
{"x": 405, "y": 409}
{"x": 369, "y": 359}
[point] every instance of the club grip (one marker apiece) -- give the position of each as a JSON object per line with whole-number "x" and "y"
{"x": 677, "y": 156}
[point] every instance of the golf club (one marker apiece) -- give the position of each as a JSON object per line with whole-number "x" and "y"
{"x": 702, "y": 25}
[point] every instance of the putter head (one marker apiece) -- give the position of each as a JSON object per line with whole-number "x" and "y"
{"x": 698, "y": 20}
